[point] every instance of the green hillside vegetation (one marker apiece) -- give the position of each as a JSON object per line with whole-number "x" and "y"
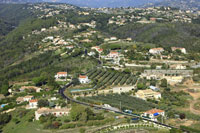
{"x": 15, "y": 13}
{"x": 14, "y": 46}
{"x": 4, "y": 28}
{"x": 11, "y": 15}
{"x": 163, "y": 34}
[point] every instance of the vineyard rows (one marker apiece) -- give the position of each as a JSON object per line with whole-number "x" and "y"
{"x": 109, "y": 77}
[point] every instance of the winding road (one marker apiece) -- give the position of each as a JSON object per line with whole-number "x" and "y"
{"x": 61, "y": 91}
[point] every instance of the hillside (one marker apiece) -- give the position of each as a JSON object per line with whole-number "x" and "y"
{"x": 165, "y": 34}
{"x": 11, "y": 16}
{"x": 182, "y": 4}
{"x": 15, "y": 13}
{"x": 110, "y": 3}
{"x": 20, "y": 1}
{"x": 4, "y": 27}
{"x": 22, "y": 47}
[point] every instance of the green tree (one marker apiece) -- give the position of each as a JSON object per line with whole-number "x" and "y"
{"x": 4, "y": 118}
{"x": 43, "y": 103}
{"x": 82, "y": 130}
{"x": 153, "y": 66}
{"x": 163, "y": 83}
{"x": 76, "y": 112}
{"x": 140, "y": 86}
{"x": 174, "y": 130}
{"x": 39, "y": 81}
{"x": 75, "y": 81}
{"x": 4, "y": 88}
{"x": 153, "y": 82}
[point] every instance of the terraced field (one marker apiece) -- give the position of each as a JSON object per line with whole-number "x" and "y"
{"x": 106, "y": 78}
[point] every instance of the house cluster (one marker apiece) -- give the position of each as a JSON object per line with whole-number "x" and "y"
{"x": 50, "y": 10}
{"x": 54, "y": 111}
{"x": 54, "y": 43}
{"x": 148, "y": 94}
{"x": 30, "y": 99}
{"x": 162, "y": 73}
{"x": 159, "y": 50}
{"x": 165, "y": 14}
{"x": 172, "y": 76}
{"x": 178, "y": 67}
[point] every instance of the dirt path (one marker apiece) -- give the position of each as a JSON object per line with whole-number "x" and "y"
{"x": 196, "y": 97}
{"x": 194, "y": 111}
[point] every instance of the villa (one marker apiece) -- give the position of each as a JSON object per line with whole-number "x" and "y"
{"x": 156, "y": 50}
{"x": 33, "y": 104}
{"x": 183, "y": 50}
{"x": 60, "y": 75}
{"x": 83, "y": 79}
{"x": 154, "y": 113}
{"x": 148, "y": 94}
{"x": 113, "y": 54}
{"x": 55, "y": 111}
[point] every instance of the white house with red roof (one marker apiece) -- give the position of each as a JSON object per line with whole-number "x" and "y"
{"x": 70, "y": 47}
{"x": 183, "y": 50}
{"x": 98, "y": 49}
{"x": 113, "y": 54}
{"x": 83, "y": 79}
{"x": 33, "y": 104}
{"x": 156, "y": 50}
{"x": 154, "y": 113}
{"x": 28, "y": 98}
{"x": 61, "y": 74}
{"x": 95, "y": 48}
{"x": 24, "y": 99}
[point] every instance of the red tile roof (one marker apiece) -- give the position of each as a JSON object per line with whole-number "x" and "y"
{"x": 153, "y": 111}
{"x": 33, "y": 101}
{"x": 82, "y": 76}
{"x": 113, "y": 52}
{"x": 100, "y": 49}
{"x": 157, "y": 49}
{"x": 59, "y": 73}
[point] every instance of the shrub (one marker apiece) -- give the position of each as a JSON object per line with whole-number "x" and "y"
{"x": 66, "y": 120}
{"x": 82, "y": 130}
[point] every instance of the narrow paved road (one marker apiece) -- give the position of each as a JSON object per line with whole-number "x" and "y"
{"x": 61, "y": 91}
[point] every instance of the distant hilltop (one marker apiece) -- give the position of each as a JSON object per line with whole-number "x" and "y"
{"x": 182, "y": 4}
{"x": 20, "y": 1}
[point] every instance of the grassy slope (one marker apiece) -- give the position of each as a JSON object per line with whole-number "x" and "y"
{"x": 23, "y": 126}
